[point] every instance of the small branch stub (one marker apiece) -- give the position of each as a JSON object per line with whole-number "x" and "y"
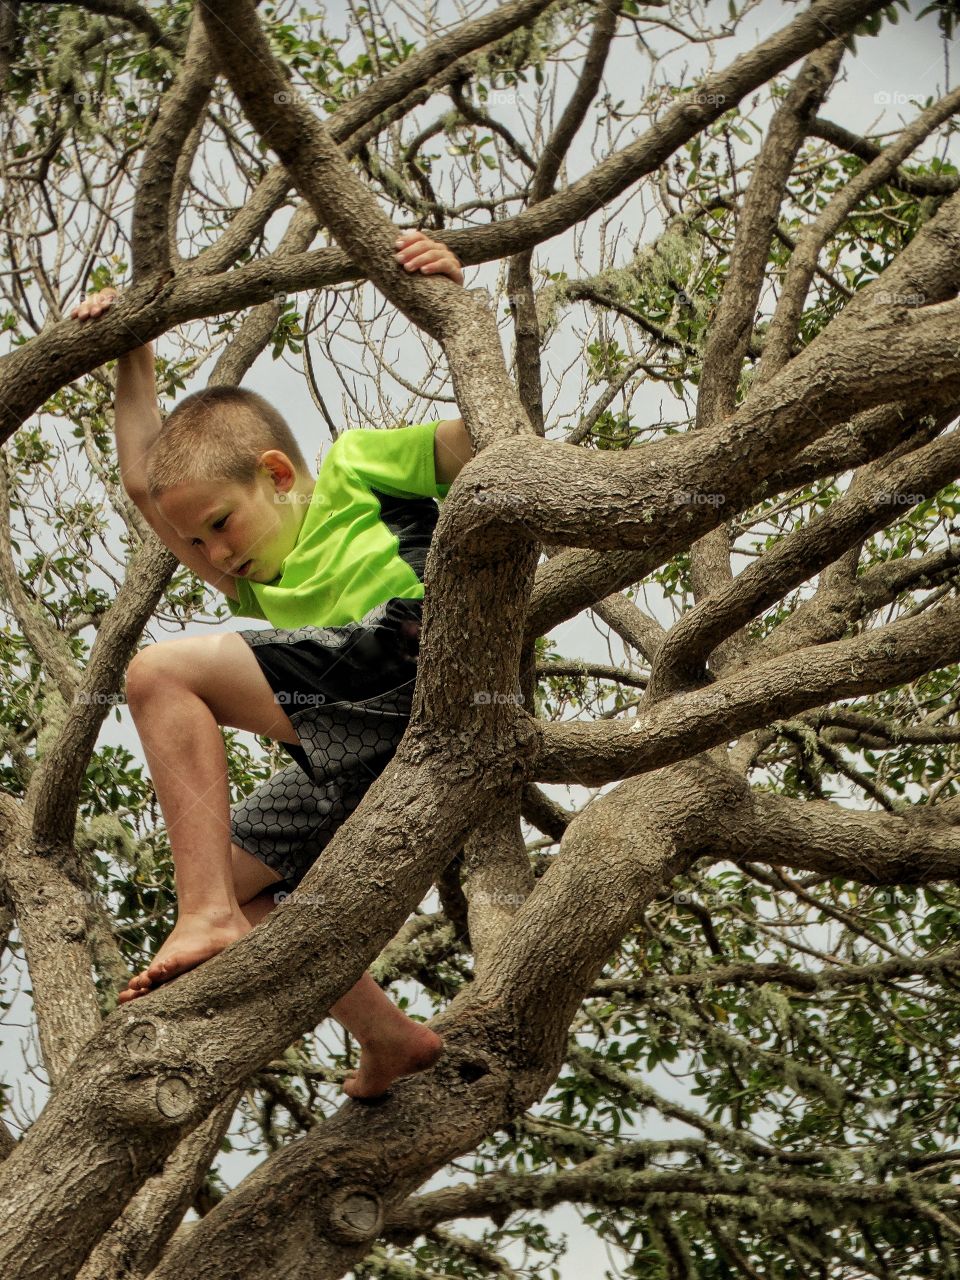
{"x": 355, "y": 1215}
{"x": 174, "y": 1097}
{"x": 74, "y": 929}
{"x": 140, "y": 1038}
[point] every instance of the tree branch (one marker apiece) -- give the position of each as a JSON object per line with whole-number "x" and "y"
{"x": 730, "y": 333}
{"x": 519, "y": 279}
{"x": 180, "y": 108}
{"x": 785, "y": 324}
{"x": 127, "y": 11}
{"x": 46, "y": 641}
{"x": 875, "y": 496}
{"x": 593, "y": 754}
{"x": 915, "y": 184}
{"x": 868, "y": 847}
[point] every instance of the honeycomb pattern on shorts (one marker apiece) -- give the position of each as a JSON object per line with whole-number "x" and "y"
{"x": 353, "y": 738}
{"x": 288, "y": 820}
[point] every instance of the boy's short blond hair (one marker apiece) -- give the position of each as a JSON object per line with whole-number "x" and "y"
{"x": 218, "y": 434}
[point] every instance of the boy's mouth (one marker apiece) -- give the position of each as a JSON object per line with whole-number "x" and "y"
{"x": 242, "y": 571}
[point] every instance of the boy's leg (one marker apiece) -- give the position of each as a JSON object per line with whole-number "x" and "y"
{"x": 179, "y": 693}
{"x": 391, "y": 1044}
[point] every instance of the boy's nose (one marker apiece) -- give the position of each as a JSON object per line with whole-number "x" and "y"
{"x": 220, "y": 555}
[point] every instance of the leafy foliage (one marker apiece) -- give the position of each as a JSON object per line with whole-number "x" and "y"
{"x": 747, "y": 1089}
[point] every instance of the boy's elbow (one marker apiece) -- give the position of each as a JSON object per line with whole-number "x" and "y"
{"x": 452, "y": 450}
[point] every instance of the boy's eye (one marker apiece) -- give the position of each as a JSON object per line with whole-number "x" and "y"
{"x": 217, "y": 524}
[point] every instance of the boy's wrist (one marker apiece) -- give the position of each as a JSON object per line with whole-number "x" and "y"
{"x": 139, "y": 356}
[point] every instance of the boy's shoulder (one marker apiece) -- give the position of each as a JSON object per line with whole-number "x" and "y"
{"x": 382, "y": 437}
{"x": 399, "y": 461}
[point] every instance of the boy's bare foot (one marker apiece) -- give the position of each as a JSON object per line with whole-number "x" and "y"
{"x": 194, "y": 938}
{"x": 384, "y": 1060}
{"x": 95, "y": 304}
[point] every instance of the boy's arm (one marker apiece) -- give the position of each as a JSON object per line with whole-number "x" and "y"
{"x": 137, "y": 424}
{"x": 416, "y": 251}
{"x": 136, "y": 418}
{"x": 452, "y": 449}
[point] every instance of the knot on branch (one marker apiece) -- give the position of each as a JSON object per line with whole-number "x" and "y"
{"x": 160, "y": 1078}
{"x": 174, "y": 1097}
{"x": 355, "y": 1215}
{"x": 73, "y": 929}
{"x": 472, "y": 1069}
{"x": 140, "y": 1038}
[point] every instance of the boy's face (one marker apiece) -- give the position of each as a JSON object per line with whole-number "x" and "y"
{"x": 246, "y": 531}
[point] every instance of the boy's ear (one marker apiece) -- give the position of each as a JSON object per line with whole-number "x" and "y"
{"x": 281, "y": 469}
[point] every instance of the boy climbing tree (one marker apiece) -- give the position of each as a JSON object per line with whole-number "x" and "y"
{"x": 334, "y": 564}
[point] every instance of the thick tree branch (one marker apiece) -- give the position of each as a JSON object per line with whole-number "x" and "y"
{"x": 9, "y": 14}
{"x": 496, "y": 879}
{"x": 544, "y": 813}
{"x": 52, "y": 796}
{"x": 338, "y": 197}
{"x": 44, "y": 880}
{"x": 878, "y": 494}
{"x": 180, "y": 109}
{"x": 867, "y": 847}
{"x": 631, "y": 624}
{"x": 730, "y": 333}
{"x": 136, "y": 1241}
{"x": 782, "y": 332}
{"x": 43, "y": 887}
{"x": 779, "y": 687}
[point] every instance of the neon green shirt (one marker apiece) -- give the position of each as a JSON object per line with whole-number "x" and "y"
{"x": 364, "y": 537}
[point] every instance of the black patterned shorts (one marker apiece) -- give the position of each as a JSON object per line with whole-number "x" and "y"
{"x": 348, "y": 691}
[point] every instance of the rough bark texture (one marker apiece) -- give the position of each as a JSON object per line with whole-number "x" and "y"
{"x": 141, "y": 1097}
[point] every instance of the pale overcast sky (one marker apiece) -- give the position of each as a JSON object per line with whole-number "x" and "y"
{"x": 876, "y": 91}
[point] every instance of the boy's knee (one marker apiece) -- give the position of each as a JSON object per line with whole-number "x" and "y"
{"x": 186, "y": 664}
{"x": 148, "y": 670}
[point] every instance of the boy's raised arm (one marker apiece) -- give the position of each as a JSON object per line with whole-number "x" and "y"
{"x": 452, "y": 450}
{"x": 416, "y": 251}
{"x": 137, "y": 419}
{"x": 136, "y": 425}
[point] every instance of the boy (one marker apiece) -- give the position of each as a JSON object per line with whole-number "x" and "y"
{"x": 335, "y": 565}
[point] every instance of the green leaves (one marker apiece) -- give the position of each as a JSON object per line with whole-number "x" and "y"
{"x": 288, "y": 335}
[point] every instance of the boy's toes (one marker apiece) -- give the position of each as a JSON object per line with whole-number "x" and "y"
{"x": 162, "y": 971}
{"x": 137, "y": 986}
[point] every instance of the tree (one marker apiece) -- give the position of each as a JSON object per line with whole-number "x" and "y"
{"x": 761, "y": 888}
